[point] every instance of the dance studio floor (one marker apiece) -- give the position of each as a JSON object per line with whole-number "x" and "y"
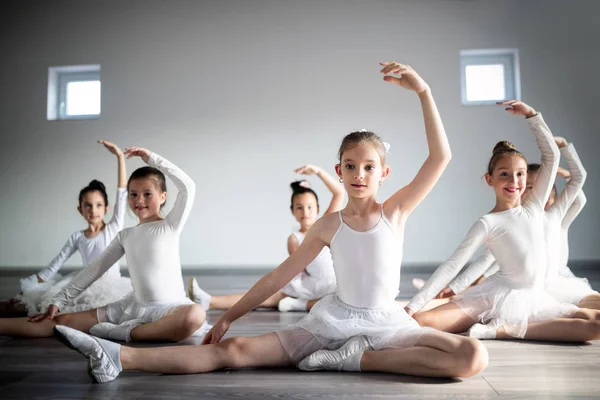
{"x": 45, "y": 369}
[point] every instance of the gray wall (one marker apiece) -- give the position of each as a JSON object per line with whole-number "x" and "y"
{"x": 238, "y": 93}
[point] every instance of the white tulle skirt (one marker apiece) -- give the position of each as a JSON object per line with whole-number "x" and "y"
{"x": 331, "y": 322}
{"x": 38, "y": 296}
{"x": 569, "y": 290}
{"x": 309, "y": 287}
{"x": 494, "y": 302}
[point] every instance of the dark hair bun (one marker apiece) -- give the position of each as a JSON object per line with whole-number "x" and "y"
{"x": 97, "y": 185}
{"x": 503, "y": 147}
{"x": 300, "y": 185}
{"x": 94, "y": 186}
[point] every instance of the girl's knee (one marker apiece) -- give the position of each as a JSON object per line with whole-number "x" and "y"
{"x": 190, "y": 320}
{"x": 473, "y": 358}
{"x": 424, "y": 318}
{"x": 234, "y": 349}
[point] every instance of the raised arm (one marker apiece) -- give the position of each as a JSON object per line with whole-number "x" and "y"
{"x": 337, "y": 191}
{"x": 186, "y": 188}
{"x": 118, "y": 218}
{"x": 574, "y": 210}
{"x": 577, "y": 178}
{"x": 272, "y": 282}
{"x": 450, "y": 268}
{"x": 56, "y": 264}
{"x": 407, "y": 198}
{"x": 545, "y": 142}
{"x": 477, "y": 268}
{"x": 122, "y": 170}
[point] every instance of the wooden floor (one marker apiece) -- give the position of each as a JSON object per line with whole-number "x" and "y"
{"x": 45, "y": 369}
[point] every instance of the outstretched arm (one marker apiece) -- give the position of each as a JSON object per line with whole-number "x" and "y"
{"x": 407, "y": 198}
{"x": 270, "y": 283}
{"x": 577, "y": 178}
{"x": 122, "y": 170}
{"x": 55, "y": 265}
{"x": 118, "y": 218}
{"x": 85, "y": 278}
{"x": 477, "y": 268}
{"x": 449, "y": 269}
{"x": 545, "y": 142}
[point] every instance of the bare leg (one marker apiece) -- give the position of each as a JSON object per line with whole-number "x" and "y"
{"x": 178, "y": 325}
{"x": 21, "y": 327}
{"x": 581, "y": 327}
{"x": 430, "y": 306}
{"x": 447, "y": 318}
{"x": 436, "y": 354}
{"x": 592, "y": 302}
{"x": 227, "y": 301}
{"x": 237, "y": 352}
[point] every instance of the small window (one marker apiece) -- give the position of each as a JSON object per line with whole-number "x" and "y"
{"x": 488, "y": 76}
{"x": 74, "y": 92}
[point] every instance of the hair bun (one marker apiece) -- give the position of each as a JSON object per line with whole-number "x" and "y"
{"x": 97, "y": 185}
{"x": 503, "y": 147}
{"x": 299, "y": 185}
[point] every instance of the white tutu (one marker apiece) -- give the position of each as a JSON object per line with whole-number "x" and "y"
{"x": 38, "y": 296}
{"x": 569, "y": 290}
{"x": 331, "y": 322}
{"x": 309, "y": 287}
{"x": 494, "y": 302}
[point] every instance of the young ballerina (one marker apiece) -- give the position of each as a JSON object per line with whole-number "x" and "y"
{"x": 366, "y": 240}
{"x": 38, "y": 289}
{"x": 559, "y": 213}
{"x": 318, "y": 279}
{"x": 158, "y": 308}
{"x": 512, "y": 303}
{"x": 486, "y": 265}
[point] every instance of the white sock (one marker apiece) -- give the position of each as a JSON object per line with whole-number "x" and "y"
{"x": 121, "y": 332}
{"x": 291, "y": 304}
{"x": 481, "y": 331}
{"x": 197, "y": 295}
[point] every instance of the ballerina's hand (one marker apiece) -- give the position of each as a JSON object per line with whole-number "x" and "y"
{"x": 113, "y": 148}
{"x": 560, "y": 141}
{"x": 308, "y": 170}
{"x": 444, "y": 294}
{"x": 409, "y": 311}
{"x": 408, "y": 78}
{"x": 144, "y": 154}
{"x": 50, "y": 314}
{"x": 565, "y": 173}
{"x": 217, "y": 332}
{"x": 517, "y": 107}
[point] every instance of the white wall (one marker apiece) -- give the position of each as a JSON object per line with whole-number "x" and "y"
{"x": 238, "y": 93}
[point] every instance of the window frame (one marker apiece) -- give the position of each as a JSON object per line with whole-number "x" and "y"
{"x": 508, "y": 58}
{"x": 58, "y": 79}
